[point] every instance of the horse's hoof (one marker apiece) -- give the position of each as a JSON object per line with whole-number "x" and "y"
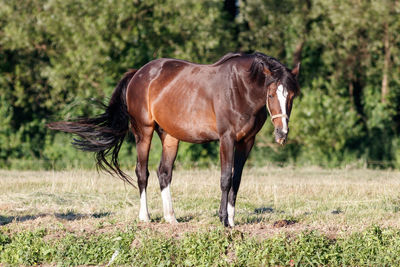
{"x": 171, "y": 220}
{"x": 224, "y": 220}
{"x": 144, "y": 219}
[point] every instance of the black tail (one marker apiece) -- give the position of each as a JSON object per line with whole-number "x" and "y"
{"x": 105, "y": 133}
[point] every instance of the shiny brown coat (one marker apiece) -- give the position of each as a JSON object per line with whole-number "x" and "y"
{"x": 227, "y": 101}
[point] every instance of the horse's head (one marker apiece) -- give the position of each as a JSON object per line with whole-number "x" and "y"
{"x": 279, "y": 103}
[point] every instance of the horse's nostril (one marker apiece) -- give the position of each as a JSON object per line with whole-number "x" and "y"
{"x": 280, "y": 136}
{"x": 280, "y": 133}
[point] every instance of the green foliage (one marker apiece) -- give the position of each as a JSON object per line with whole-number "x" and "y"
{"x": 4, "y": 240}
{"x": 154, "y": 251}
{"x": 198, "y": 155}
{"x": 56, "y": 55}
{"x": 308, "y": 248}
{"x": 374, "y": 246}
{"x": 27, "y": 248}
{"x": 198, "y": 249}
{"x": 79, "y": 250}
{"x": 315, "y": 119}
{"x": 340, "y": 116}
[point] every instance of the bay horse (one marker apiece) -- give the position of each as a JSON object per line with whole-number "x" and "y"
{"x": 227, "y": 101}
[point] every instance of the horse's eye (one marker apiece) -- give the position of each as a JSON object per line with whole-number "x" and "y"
{"x": 270, "y": 96}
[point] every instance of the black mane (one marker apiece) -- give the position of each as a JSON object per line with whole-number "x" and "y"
{"x": 280, "y": 73}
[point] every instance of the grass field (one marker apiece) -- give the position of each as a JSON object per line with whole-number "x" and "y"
{"x": 285, "y": 216}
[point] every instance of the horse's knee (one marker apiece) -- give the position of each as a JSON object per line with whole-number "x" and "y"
{"x": 164, "y": 176}
{"x": 226, "y": 181}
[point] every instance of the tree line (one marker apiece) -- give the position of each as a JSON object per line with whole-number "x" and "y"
{"x": 57, "y": 56}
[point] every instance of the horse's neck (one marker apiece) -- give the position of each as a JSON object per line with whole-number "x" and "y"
{"x": 255, "y": 95}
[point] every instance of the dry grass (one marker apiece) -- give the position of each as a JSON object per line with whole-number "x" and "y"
{"x": 332, "y": 201}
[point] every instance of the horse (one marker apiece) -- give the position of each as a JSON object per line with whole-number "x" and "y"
{"x": 228, "y": 101}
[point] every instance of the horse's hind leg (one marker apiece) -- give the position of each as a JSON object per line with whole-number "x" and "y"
{"x": 143, "y": 141}
{"x": 164, "y": 172}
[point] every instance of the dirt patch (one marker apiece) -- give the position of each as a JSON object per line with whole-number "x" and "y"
{"x": 174, "y": 230}
{"x": 283, "y": 223}
{"x": 264, "y": 230}
{"x": 231, "y": 254}
{"x": 136, "y": 243}
{"x": 6, "y": 206}
{"x": 57, "y": 228}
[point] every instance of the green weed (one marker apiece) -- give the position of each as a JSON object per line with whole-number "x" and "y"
{"x": 217, "y": 247}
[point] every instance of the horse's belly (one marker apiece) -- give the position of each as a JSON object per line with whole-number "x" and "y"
{"x": 189, "y": 126}
{"x": 193, "y": 136}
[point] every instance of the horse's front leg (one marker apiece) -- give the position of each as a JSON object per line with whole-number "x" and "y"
{"x": 242, "y": 151}
{"x": 226, "y": 158}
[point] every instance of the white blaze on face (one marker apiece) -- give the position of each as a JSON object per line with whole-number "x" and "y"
{"x": 282, "y": 97}
{"x": 169, "y": 214}
{"x": 143, "y": 213}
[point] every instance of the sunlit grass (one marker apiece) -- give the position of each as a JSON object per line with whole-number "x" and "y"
{"x": 329, "y": 200}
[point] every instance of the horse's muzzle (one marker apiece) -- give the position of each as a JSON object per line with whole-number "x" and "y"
{"x": 280, "y": 136}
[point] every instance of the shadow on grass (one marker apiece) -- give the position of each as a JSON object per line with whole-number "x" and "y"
{"x": 160, "y": 219}
{"x": 72, "y": 216}
{"x": 69, "y": 216}
{"x": 186, "y": 218}
{"x": 263, "y": 210}
{"x": 156, "y": 218}
{"x": 252, "y": 219}
{"x": 4, "y": 220}
{"x": 258, "y": 215}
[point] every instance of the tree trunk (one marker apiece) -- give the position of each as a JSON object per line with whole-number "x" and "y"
{"x": 231, "y": 7}
{"x": 386, "y": 65}
{"x": 305, "y": 10}
{"x": 297, "y": 52}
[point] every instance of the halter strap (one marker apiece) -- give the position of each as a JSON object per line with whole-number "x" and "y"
{"x": 281, "y": 115}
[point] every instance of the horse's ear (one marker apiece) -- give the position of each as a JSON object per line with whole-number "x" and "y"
{"x": 296, "y": 70}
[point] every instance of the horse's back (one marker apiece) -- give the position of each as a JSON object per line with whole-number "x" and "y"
{"x": 179, "y": 96}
